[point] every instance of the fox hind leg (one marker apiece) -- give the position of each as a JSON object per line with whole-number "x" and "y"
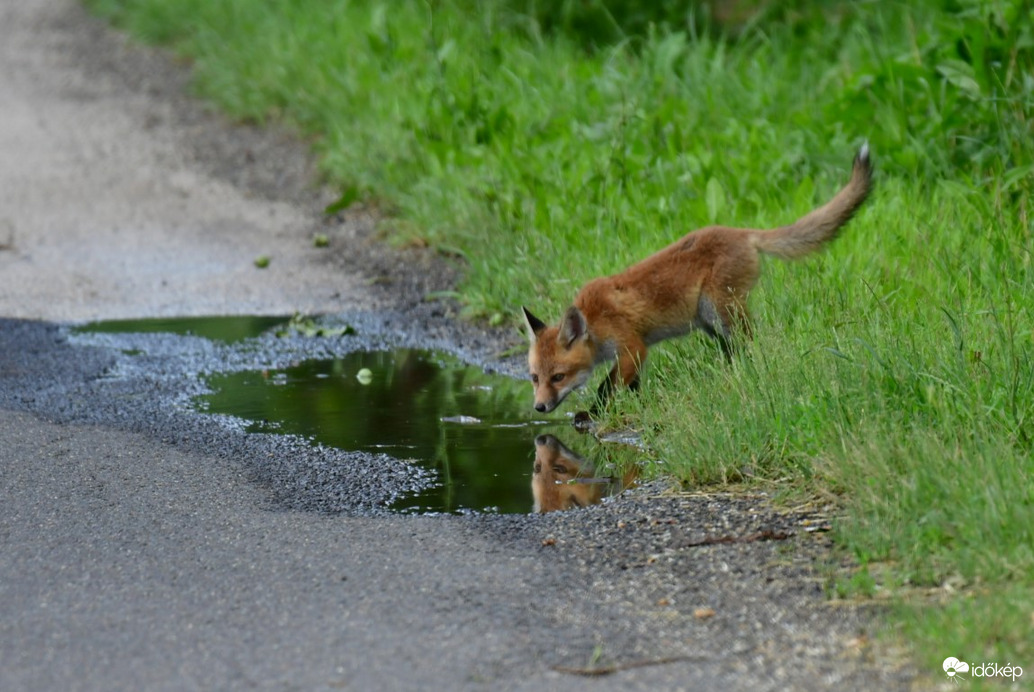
{"x": 725, "y": 320}
{"x": 716, "y": 325}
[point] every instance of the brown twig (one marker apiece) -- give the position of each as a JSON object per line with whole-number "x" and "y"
{"x": 616, "y": 667}
{"x": 766, "y": 535}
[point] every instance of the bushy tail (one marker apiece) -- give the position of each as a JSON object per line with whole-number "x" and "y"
{"x": 822, "y": 225}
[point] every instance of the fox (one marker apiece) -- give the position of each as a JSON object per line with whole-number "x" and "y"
{"x": 699, "y": 282}
{"x": 561, "y": 479}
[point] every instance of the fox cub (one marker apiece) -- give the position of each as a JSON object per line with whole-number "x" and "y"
{"x": 700, "y": 281}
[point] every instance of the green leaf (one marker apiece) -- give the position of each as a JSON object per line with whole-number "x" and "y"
{"x": 714, "y": 195}
{"x": 961, "y": 75}
{"x": 348, "y": 197}
{"x": 1016, "y": 175}
{"x": 445, "y": 51}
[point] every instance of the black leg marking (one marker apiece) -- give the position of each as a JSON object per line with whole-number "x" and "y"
{"x": 606, "y": 389}
{"x": 714, "y": 326}
{"x": 726, "y": 346}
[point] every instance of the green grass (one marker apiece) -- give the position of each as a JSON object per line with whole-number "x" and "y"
{"x": 894, "y": 373}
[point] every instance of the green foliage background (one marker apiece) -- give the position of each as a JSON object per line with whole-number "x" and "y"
{"x": 547, "y": 143}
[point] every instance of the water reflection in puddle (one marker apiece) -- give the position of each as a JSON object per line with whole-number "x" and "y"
{"x": 562, "y": 479}
{"x": 464, "y": 424}
{"x": 474, "y": 430}
{"x": 471, "y": 428}
{"x": 228, "y": 329}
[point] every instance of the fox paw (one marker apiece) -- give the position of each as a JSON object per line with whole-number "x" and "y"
{"x": 583, "y": 421}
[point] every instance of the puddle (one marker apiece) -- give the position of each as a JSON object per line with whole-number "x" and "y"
{"x": 474, "y": 430}
{"x": 471, "y": 428}
{"x": 467, "y": 426}
{"x": 225, "y": 329}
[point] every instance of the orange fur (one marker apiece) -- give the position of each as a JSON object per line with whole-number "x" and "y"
{"x": 563, "y": 480}
{"x": 700, "y": 281}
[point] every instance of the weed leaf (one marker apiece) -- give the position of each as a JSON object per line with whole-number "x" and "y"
{"x": 714, "y": 196}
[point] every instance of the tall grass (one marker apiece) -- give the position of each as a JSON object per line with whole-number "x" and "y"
{"x": 549, "y": 143}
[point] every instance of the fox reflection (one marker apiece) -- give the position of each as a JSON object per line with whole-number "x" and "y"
{"x": 561, "y": 479}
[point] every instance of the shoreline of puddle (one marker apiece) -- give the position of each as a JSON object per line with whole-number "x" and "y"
{"x": 474, "y": 430}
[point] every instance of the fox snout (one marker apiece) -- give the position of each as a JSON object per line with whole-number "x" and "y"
{"x": 549, "y": 394}
{"x": 547, "y": 405}
{"x": 553, "y": 386}
{"x": 547, "y": 397}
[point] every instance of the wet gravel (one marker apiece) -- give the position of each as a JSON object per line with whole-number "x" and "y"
{"x": 146, "y": 382}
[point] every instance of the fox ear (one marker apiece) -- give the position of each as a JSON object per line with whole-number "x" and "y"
{"x": 535, "y": 325}
{"x": 573, "y": 327}
{"x": 547, "y": 440}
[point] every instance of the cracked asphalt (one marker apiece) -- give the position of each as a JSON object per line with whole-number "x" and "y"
{"x": 146, "y": 547}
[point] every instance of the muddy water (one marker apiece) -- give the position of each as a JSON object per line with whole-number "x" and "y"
{"x": 477, "y": 432}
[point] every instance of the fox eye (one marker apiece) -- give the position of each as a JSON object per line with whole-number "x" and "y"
{"x": 535, "y": 379}
{"x": 559, "y": 377}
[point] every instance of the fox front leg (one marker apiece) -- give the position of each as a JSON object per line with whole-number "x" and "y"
{"x": 606, "y": 390}
{"x": 603, "y": 394}
{"x": 624, "y": 373}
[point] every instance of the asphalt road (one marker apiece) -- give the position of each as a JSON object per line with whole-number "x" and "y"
{"x": 144, "y": 549}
